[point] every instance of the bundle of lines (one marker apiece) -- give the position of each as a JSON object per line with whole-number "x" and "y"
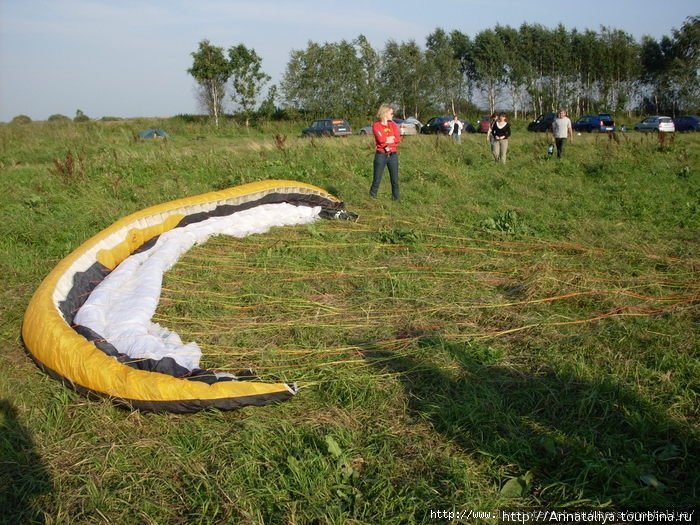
{"x": 307, "y": 303}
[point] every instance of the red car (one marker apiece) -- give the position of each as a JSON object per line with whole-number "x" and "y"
{"x": 483, "y": 124}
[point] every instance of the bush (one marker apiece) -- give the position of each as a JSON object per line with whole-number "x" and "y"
{"x": 81, "y": 117}
{"x": 21, "y": 119}
{"x": 57, "y": 117}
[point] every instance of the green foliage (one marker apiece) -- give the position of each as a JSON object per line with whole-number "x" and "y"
{"x": 670, "y": 69}
{"x": 80, "y": 116}
{"x": 508, "y": 222}
{"x": 211, "y": 70}
{"x": 405, "y": 73}
{"x": 21, "y": 119}
{"x": 399, "y": 236}
{"x": 247, "y": 77}
{"x": 57, "y": 117}
{"x": 531, "y": 68}
{"x": 330, "y": 79}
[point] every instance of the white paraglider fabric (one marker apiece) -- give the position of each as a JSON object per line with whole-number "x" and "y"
{"x": 121, "y": 307}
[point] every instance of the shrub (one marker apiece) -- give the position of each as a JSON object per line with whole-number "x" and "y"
{"x": 80, "y": 117}
{"x": 21, "y": 119}
{"x": 57, "y": 117}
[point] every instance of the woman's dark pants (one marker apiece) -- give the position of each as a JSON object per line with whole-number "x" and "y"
{"x": 382, "y": 160}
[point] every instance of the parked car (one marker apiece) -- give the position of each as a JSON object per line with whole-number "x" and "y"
{"x": 483, "y": 124}
{"x": 602, "y": 123}
{"x": 542, "y": 123}
{"x": 417, "y": 123}
{"x": 656, "y": 123}
{"x": 442, "y": 125}
{"x": 328, "y": 127}
{"x": 687, "y": 123}
{"x": 405, "y": 128}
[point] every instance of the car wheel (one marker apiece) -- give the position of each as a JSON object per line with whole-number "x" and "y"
{"x": 363, "y": 132}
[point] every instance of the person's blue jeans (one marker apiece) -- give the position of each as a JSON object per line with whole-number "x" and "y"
{"x": 381, "y": 161}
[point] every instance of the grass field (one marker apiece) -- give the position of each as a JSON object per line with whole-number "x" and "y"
{"x": 504, "y": 337}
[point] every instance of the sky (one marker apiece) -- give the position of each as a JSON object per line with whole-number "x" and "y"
{"x": 126, "y": 58}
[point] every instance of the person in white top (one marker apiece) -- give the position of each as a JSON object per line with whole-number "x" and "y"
{"x": 561, "y": 129}
{"x": 455, "y": 130}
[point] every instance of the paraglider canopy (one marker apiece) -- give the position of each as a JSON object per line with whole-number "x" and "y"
{"x": 68, "y": 334}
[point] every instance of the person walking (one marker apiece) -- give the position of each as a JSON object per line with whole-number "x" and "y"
{"x": 500, "y": 131}
{"x": 489, "y": 134}
{"x": 561, "y": 129}
{"x": 455, "y": 130}
{"x": 387, "y": 138}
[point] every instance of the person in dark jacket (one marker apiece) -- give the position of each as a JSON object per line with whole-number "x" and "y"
{"x": 500, "y": 131}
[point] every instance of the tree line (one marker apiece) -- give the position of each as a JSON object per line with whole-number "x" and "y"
{"x": 531, "y": 69}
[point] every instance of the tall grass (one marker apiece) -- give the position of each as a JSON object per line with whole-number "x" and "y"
{"x": 504, "y": 337}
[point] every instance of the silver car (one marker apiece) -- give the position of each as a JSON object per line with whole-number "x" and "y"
{"x": 405, "y": 128}
{"x": 656, "y": 123}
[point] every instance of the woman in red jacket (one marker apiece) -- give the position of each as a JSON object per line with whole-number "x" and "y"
{"x": 387, "y": 138}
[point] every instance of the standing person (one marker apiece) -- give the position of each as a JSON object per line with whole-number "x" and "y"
{"x": 500, "y": 131}
{"x": 387, "y": 137}
{"x": 456, "y": 127}
{"x": 561, "y": 129}
{"x": 489, "y": 135}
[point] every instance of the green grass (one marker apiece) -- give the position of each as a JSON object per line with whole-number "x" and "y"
{"x": 505, "y": 337}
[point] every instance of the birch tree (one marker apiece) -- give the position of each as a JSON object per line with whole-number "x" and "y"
{"x": 211, "y": 70}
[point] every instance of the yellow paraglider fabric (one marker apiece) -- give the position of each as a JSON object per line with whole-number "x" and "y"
{"x": 65, "y": 354}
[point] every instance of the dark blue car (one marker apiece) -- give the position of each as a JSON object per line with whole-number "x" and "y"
{"x": 328, "y": 127}
{"x": 687, "y": 123}
{"x": 542, "y": 123}
{"x": 602, "y": 123}
{"x": 443, "y": 124}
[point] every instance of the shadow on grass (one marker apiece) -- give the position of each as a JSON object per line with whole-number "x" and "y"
{"x": 23, "y": 475}
{"x": 584, "y": 443}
